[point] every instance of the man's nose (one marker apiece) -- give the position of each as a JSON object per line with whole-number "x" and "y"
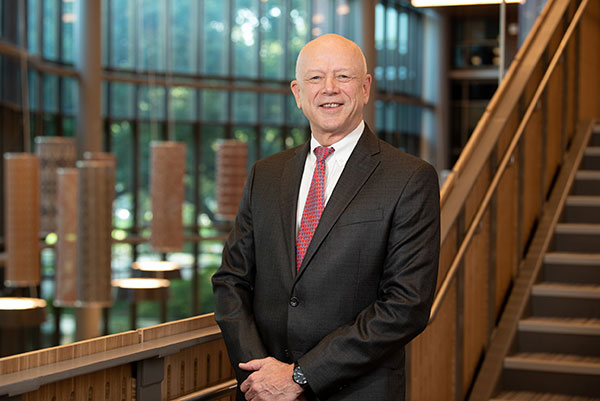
{"x": 330, "y": 85}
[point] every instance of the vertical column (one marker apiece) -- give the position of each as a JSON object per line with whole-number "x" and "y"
{"x": 88, "y": 36}
{"x": 368, "y": 46}
{"x": 89, "y": 50}
{"x": 149, "y": 374}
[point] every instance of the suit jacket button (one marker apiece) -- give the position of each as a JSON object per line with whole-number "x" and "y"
{"x": 294, "y": 302}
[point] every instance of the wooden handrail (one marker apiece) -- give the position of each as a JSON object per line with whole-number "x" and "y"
{"x": 454, "y": 267}
{"x": 488, "y": 129}
{"x": 28, "y": 372}
{"x": 211, "y": 393}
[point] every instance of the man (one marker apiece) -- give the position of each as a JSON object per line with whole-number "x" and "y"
{"x": 331, "y": 266}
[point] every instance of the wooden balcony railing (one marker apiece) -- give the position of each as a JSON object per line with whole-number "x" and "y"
{"x": 495, "y": 194}
{"x": 491, "y": 204}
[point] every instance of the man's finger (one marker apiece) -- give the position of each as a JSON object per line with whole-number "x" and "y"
{"x": 254, "y": 364}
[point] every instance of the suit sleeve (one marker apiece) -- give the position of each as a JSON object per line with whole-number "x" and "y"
{"x": 405, "y": 294}
{"x": 233, "y": 286}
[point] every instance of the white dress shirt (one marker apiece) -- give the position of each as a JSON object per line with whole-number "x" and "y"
{"x": 334, "y": 166}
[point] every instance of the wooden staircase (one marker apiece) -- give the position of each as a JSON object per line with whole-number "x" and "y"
{"x": 556, "y": 352}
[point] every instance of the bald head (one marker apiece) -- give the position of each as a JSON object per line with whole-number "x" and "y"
{"x": 327, "y": 44}
{"x": 331, "y": 86}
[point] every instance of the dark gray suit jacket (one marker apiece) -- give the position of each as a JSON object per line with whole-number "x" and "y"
{"x": 366, "y": 283}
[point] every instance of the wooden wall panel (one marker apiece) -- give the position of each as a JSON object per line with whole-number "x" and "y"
{"x": 195, "y": 368}
{"x": 510, "y": 126}
{"x": 115, "y": 384}
{"x": 506, "y": 233}
{"x": 532, "y": 165}
{"x": 555, "y": 39}
{"x": 589, "y": 53}
{"x": 554, "y": 91}
{"x": 475, "y": 301}
{"x": 447, "y": 253}
{"x": 532, "y": 84}
{"x": 433, "y": 355}
{"x": 570, "y": 95}
{"x": 476, "y": 195}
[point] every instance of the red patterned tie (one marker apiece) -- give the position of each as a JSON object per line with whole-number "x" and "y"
{"x": 315, "y": 203}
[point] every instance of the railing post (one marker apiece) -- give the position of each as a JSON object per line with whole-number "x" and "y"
{"x": 149, "y": 375}
{"x": 492, "y": 256}
{"x": 460, "y": 311}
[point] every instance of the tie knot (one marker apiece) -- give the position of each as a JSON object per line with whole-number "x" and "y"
{"x": 323, "y": 153}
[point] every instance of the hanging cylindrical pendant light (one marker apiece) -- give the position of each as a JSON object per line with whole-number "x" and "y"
{"x": 95, "y": 194}
{"x": 65, "y": 278}
{"x": 101, "y": 156}
{"x": 232, "y": 168}
{"x": 54, "y": 152}
{"x": 22, "y": 219}
{"x": 167, "y": 171}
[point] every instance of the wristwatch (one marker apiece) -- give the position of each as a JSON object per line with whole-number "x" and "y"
{"x": 298, "y": 376}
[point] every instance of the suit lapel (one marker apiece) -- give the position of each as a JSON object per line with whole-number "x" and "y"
{"x": 358, "y": 169}
{"x": 290, "y": 186}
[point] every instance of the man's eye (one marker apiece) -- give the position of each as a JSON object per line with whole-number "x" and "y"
{"x": 343, "y": 77}
{"x": 315, "y": 78}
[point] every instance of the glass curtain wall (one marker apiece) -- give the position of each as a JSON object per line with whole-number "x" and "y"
{"x": 198, "y": 72}
{"x": 399, "y": 75}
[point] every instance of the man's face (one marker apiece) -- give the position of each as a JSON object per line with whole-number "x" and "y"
{"x": 331, "y": 86}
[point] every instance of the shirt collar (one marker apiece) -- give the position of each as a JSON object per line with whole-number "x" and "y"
{"x": 343, "y": 147}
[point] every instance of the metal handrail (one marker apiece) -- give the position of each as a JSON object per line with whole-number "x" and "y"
{"x": 451, "y": 274}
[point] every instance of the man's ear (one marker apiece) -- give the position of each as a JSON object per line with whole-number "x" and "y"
{"x": 296, "y": 91}
{"x": 367, "y": 87}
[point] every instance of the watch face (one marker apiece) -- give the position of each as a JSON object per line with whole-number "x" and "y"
{"x": 299, "y": 377}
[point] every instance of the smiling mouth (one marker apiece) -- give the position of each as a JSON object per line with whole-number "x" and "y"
{"x": 331, "y": 105}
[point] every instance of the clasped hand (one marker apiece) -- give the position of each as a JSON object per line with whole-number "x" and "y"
{"x": 271, "y": 380}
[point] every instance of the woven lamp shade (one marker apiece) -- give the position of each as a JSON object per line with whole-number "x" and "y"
{"x": 95, "y": 194}
{"x": 54, "y": 152}
{"x": 232, "y": 168}
{"x": 22, "y": 219}
{"x": 167, "y": 170}
{"x": 65, "y": 278}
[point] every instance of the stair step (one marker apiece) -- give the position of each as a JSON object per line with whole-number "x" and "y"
{"x": 587, "y": 182}
{"x": 592, "y": 151}
{"x": 572, "y": 258}
{"x": 561, "y": 325}
{"x": 566, "y": 290}
{"x": 577, "y": 237}
{"x": 595, "y": 139}
{"x": 565, "y": 300}
{"x": 574, "y": 375}
{"x": 582, "y": 209}
{"x": 572, "y": 268}
{"x": 560, "y": 335}
{"x": 591, "y": 159}
{"x": 531, "y": 396}
{"x": 557, "y": 363}
{"x": 578, "y": 200}
{"x": 578, "y": 228}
